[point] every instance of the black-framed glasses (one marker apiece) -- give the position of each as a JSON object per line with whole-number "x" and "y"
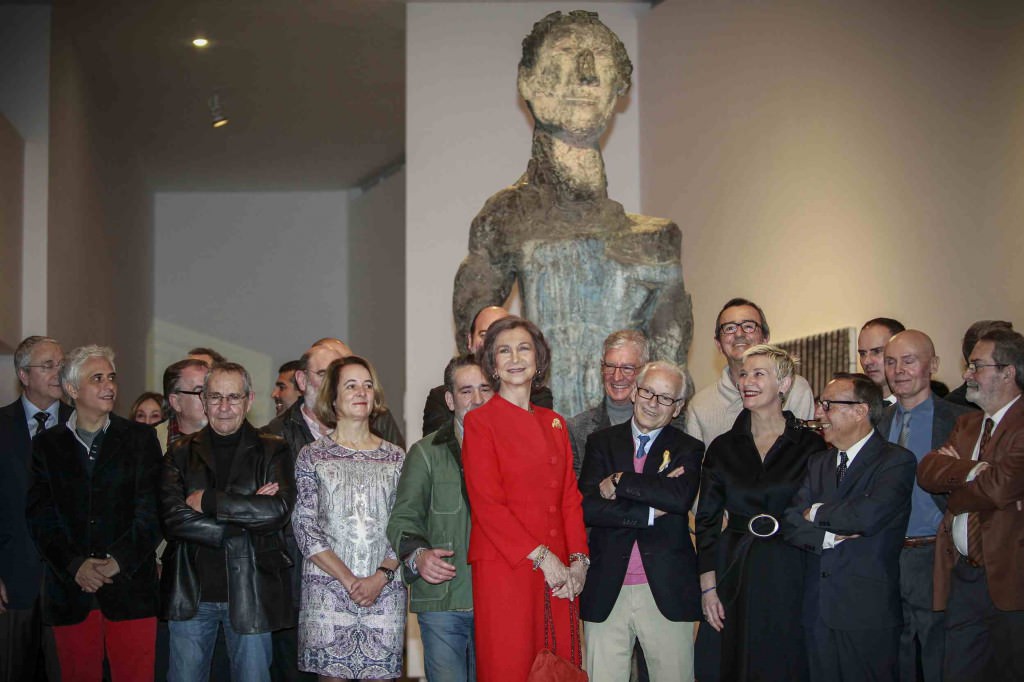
{"x": 609, "y": 369}
{"x": 665, "y": 400}
{"x": 48, "y": 366}
{"x": 196, "y": 392}
{"x": 232, "y": 398}
{"x": 826, "y": 405}
{"x": 730, "y": 328}
{"x": 973, "y": 367}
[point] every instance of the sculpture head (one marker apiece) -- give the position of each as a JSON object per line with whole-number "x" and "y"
{"x": 572, "y": 71}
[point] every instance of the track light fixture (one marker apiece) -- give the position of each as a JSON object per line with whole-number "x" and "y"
{"x": 217, "y": 112}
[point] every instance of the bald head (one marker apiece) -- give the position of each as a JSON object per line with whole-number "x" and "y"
{"x": 910, "y": 362}
{"x": 481, "y": 323}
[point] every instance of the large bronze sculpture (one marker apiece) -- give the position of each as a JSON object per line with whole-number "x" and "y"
{"x": 584, "y": 266}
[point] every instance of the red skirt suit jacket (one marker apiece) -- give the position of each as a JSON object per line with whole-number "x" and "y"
{"x": 522, "y": 493}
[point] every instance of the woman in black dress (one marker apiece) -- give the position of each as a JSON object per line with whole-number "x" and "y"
{"x": 751, "y": 580}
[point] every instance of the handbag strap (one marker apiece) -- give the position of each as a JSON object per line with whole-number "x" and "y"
{"x": 575, "y": 645}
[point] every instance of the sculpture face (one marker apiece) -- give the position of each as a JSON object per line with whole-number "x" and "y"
{"x": 575, "y": 82}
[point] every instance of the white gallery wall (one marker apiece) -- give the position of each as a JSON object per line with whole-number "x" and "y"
{"x": 839, "y": 161}
{"x": 258, "y": 276}
{"x": 468, "y": 135}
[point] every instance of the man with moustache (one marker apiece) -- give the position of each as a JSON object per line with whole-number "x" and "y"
{"x": 429, "y": 527}
{"x": 37, "y": 363}
{"x": 871, "y": 350}
{"x": 639, "y": 481}
{"x": 919, "y": 421}
{"x": 183, "y": 386}
{"x": 92, "y": 510}
{"x": 850, "y": 516}
{"x": 740, "y": 325}
{"x": 226, "y": 494}
{"x": 959, "y": 394}
{"x": 436, "y": 412}
{"x": 979, "y": 565}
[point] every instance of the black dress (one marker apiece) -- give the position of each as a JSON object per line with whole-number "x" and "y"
{"x": 760, "y": 580}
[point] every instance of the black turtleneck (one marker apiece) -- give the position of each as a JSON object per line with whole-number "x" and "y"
{"x": 211, "y": 563}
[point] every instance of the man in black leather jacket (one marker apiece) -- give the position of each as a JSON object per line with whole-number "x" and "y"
{"x": 226, "y": 494}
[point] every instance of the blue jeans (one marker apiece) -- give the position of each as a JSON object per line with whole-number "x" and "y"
{"x": 192, "y": 643}
{"x": 448, "y": 653}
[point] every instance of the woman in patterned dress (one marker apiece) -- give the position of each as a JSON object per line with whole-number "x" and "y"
{"x": 352, "y": 617}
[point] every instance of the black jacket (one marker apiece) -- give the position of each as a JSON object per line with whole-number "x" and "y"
{"x": 247, "y": 526}
{"x": 73, "y": 516}
{"x": 665, "y": 547}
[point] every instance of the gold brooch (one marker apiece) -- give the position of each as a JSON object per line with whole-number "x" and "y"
{"x": 665, "y": 457}
{"x": 556, "y": 423}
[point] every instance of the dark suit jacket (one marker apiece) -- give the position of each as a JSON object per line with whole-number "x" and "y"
{"x": 996, "y": 495}
{"x": 943, "y": 422}
{"x": 20, "y": 566}
{"x": 73, "y": 516}
{"x": 854, "y": 586}
{"x": 665, "y": 548}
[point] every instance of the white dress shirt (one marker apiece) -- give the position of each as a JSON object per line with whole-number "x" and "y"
{"x": 830, "y": 538}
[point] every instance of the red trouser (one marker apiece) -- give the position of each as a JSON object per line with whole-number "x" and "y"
{"x": 129, "y": 644}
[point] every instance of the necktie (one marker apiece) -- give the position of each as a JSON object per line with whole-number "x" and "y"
{"x": 905, "y": 431}
{"x": 640, "y": 448}
{"x": 974, "y": 546}
{"x": 841, "y": 469}
{"x": 41, "y": 419}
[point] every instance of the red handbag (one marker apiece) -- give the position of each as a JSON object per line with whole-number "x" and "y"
{"x": 549, "y": 666}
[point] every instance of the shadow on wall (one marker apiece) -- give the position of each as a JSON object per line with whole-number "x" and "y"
{"x": 169, "y": 343}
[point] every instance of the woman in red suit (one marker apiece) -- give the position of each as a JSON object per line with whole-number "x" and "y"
{"x": 527, "y": 518}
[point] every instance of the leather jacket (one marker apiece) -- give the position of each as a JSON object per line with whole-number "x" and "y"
{"x": 247, "y": 526}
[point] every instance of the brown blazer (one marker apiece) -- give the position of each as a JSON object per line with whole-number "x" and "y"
{"x": 997, "y": 494}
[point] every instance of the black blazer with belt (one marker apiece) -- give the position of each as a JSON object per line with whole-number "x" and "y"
{"x": 21, "y": 569}
{"x": 665, "y": 548}
{"x": 73, "y": 516}
{"x": 854, "y": 586}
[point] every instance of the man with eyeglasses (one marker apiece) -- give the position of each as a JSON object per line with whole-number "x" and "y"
{"x": 740, "y": 325}
{"x": 920, "y": 421}
{"x": 226, "y": 494}
{"x": 625, "y": 352}
{"x": 37, "y": 362}
{"x": 850, "y": 516}
{"x": 183, "y": 387}
{"x": 638, "y": 482}
{"x": 959, "y": 394}
{"x": 979, "y": 551}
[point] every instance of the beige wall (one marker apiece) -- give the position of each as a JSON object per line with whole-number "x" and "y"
{"x": 99, "y": 250}
{"x": 839, "y": 161}
{"x": 12, "y": 174}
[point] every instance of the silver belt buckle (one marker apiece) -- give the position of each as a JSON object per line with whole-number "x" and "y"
{"x": 774, "y": 530}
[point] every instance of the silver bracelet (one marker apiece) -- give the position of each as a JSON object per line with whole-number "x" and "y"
{"x": 411, "y": 561}
{"x": 541, "y": 555}
{"x": 580, "y": 556}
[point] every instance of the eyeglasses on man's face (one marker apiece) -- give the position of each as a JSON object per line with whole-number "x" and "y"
{"x": 973, "y": 367}
{"x": 730, "y": 328}
{"x": 197, "y": 392}
{"x": 826, "y": 405}
{"x": 231, "y": 398}
{"x": 49, "y": 366}
{"x": 626, "y": 370}
{"x": 665, "y": 400}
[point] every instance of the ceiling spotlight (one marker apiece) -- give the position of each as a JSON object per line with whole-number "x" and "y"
{"x": 200, "y": 42}
{"x": 217, "y": 112}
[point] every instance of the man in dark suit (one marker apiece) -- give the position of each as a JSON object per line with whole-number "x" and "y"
{"x": 639, "y": 480}
{"x": 979, "y": 562}
{"x": 37, "y": 362}
{"x": 92, "y": 510}
{"x": 850, "y": 515}
{"x": 919, "y": 421}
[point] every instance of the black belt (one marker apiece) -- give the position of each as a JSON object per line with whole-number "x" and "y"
{"x": 762, "y": 526}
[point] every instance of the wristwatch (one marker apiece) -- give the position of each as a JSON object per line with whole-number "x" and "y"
{"x": 388, "y": 573}
{"x": 616, "y": 478}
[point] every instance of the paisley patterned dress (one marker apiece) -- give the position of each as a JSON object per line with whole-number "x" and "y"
{"x": 344, "y": 500}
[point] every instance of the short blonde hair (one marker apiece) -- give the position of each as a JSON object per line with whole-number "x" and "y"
{"x": 785, "y": 364}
